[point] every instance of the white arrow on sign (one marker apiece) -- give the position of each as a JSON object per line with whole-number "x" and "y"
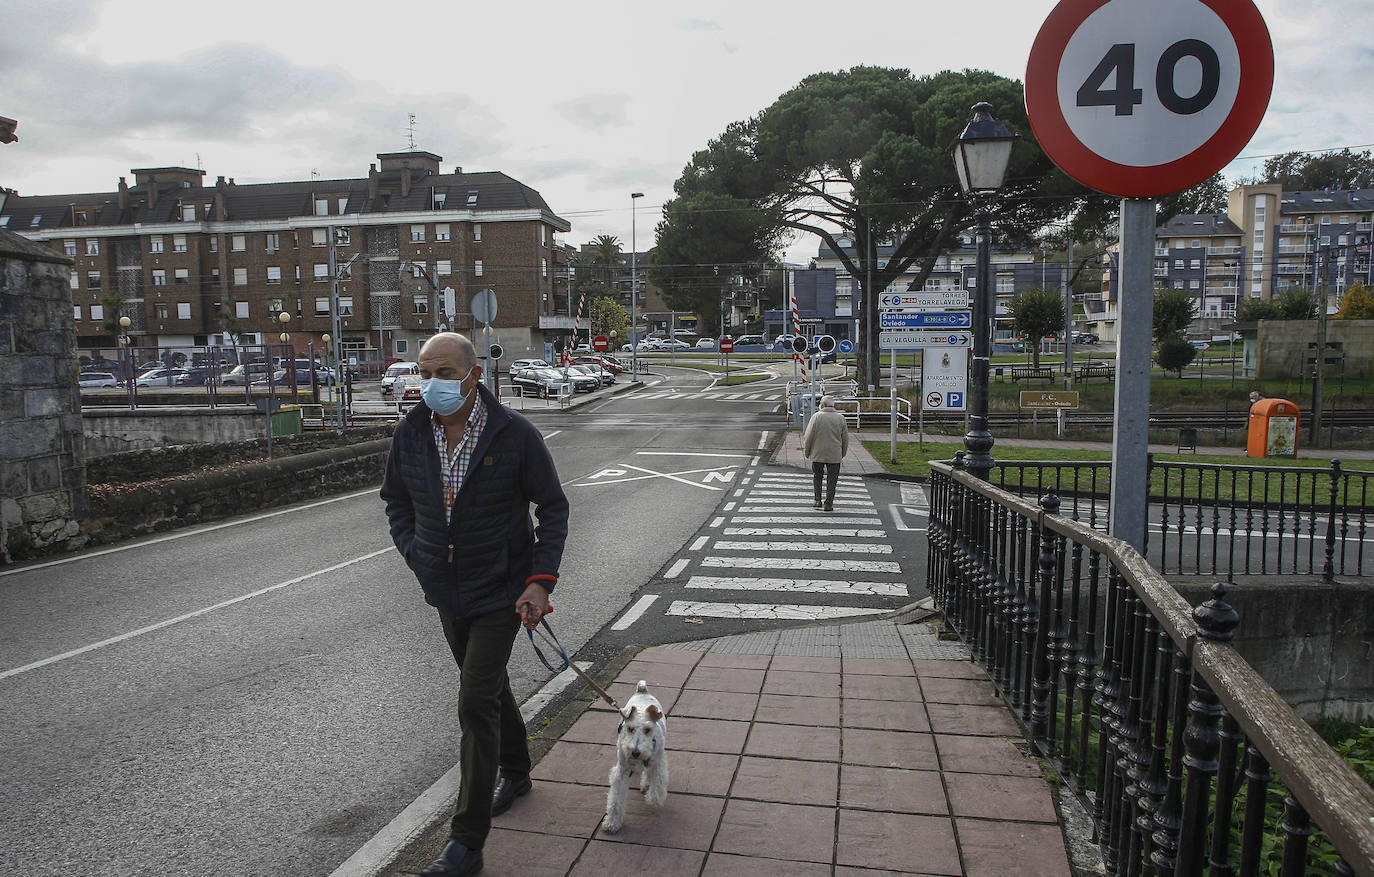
{"x": 909, "y": 338}
{"x": 921, "y": 301}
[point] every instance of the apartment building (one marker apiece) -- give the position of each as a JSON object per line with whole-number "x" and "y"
{"x": 191, "y": 264}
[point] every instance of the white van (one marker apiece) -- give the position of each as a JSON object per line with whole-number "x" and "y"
{"x": 395, "y": 369}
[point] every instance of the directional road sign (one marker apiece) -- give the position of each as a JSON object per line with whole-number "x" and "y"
{"x": 1049, "y": 398}
{"x": 1141, "y": 99}
{"x": 907, "y": 338}
{"x": 846, "y": 346}
{"x": 925, "y": 320}
{"x": 944, "y": 300}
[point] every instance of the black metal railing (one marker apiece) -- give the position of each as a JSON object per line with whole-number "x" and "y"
{"x": 1179, "y": 749}
{"x": 1212, "y": 519}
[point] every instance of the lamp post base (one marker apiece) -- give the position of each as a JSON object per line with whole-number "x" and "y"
{"x": 978, "y": 442}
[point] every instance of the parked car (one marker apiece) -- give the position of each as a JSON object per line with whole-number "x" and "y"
{"x": 748, "y": 339}
{"x": 97, "y": 379}
{"x": 706, "y": 343}
{"x": 406, "y": 388}
{"x": 323, "y": 377}
{"x": 583, "y": 379}
{"x": 673, "y": 344}
{"x": 543, "y": 382}
{"x": 644, "y": 345}
{"x": 249, "y": 373}
{"x": 607, "y": 362}
{"x": 783, "y": 342}
{"x": 522, "y": 364}
{"x": 196, "y": 377}
{"x": 395, "y": 370}
{"x": 1085, "y": 338}
{"x": 159, "y": 377}
{"x": 603, "y": 375}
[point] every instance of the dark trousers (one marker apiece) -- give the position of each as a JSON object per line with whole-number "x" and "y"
{"x": 493, "y": 732}
{"x": 831, "y": 473}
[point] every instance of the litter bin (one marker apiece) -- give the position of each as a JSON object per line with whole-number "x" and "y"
{"x": 1187, "y": 439}
{"x": 1273, "y": 429}
{"x": 803, "y": 406}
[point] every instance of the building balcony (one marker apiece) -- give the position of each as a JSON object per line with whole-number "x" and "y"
{"x": 1290, "y": 249}
{"x": 1162, "y": 272}
{"x": 1223, "y": 251}
{"x": 1296, "y": 228}
{"x": 1223, "y": 270}
{"x": 1292, "y": 269}
{"x": 1364, "y": 226}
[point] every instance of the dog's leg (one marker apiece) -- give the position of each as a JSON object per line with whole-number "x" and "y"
{"x": 615, "y": 796}
{"x": 657, "y": 775}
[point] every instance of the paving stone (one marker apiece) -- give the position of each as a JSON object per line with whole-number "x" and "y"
{"x": 986, "y": 721}
{"x": 966, "y": 754}
{"x": 794, "y": 741}
{"x": 878, "y": 667}
{"x": 656, "y": 673}
{"x": 806, "y": 665}
{"x": 602, "y": 858}
{"x": 508, "y": 853}
{"x": 789, "y": 709}
{"x": 892, "y": 789}
{"x": 786, "y": 781}
{"x": 557, "y": 808}
{"x": 700, "y": 773}
{"x": 686, "y": 822}
{"x": 949, "y": 669}
{"x": 897, "y": 841}
{"x": 885, "y": 715}
{"x": 903, "y": 688}
{"x": 706, "y": 735}
{"x": 723, "y": 865}
{"x": 623, "y": 691}
{"x": 994, "y": 796}
{"x": 970, "y": 691}
{"x": 568, "y": 762}
{"x": 661, "y": 655}
{"x": 593, "y": 726}
{"x": 777, "y": 831}
{"x": 736, "y": 706}
{"x": 731, "y": 679}
{"x": 802, "y": 682}
{"x": 889, "y": 749}
{"x": 743, "y": 662}
{"x": 1012, "y": 849}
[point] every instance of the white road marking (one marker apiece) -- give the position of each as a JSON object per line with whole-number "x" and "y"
{"x": 729, "y": 506}
{"x": 763, "y": 443}
{"x": 717, "y": 522}
{"x": 849, "y": 532}
{"x": 189, "y": 615}
{"x": 804, "y": 586}
{"x": 828, "y": 547}
{"x": 802, "y": 563}
{"x": 765, "y": 611}
{"x": 792, "y": 499}
{"x": 914, "y": 495}
{"x": 699, "y": 542}
{"x": 190, "y": 531}
{"x": 676, "y": 569}
{"x": 634, "y": 612}
{"x": 549, "y": 435}
{"x": 896, "y": 511}
{"x": 671, "y": 476}
{"x": 814, "y": 518}
{"x": 684, "y": 454}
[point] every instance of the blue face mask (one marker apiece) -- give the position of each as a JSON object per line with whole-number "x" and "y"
{"x": 444, "y": 397}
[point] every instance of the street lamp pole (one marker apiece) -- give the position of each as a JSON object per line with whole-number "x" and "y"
{"x": 634, "y": 288}
{"x": 981, "y": 156}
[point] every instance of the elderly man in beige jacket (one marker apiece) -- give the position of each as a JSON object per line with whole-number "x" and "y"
{"x": 825, "y": 443}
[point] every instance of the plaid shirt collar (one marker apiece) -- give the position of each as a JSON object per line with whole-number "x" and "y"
{"x": 455, "y": 463}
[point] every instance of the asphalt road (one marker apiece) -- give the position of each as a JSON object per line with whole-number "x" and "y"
{"x": 260, "y": 696}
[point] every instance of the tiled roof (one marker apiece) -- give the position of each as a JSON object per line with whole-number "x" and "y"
{"x": 1322, "y": 201}
{"x": 1203, "y": 224}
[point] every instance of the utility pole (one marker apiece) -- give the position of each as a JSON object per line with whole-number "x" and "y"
{"x": 1320, "y": 359}
{"x": 336, "y": 340}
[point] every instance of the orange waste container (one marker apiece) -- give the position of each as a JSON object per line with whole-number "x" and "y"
{"x": 1273, "y": 429}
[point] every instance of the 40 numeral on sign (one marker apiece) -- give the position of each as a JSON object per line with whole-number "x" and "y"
{"x": 1125, "y": 97}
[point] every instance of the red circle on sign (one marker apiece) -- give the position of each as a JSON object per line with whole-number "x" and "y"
{"x": 726, "y": 345}
{"x": 600, "y": 344}
{"x": 1077, "y": 160}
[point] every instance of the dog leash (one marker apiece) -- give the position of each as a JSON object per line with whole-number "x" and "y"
{"x": 547, "y": 633}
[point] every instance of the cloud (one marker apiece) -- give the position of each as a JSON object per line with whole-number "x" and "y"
{"x": 699, "y": 24}
{"x": 597, "y": 111}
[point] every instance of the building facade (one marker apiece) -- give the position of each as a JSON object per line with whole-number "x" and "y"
{"x": 194, "y": 265}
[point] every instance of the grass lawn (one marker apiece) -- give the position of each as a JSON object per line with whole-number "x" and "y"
{"x": 913, "y": 459}
{"x": 730, "y": 380}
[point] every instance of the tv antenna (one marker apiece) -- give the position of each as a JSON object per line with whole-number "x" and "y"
{"x": 410, "y": 137}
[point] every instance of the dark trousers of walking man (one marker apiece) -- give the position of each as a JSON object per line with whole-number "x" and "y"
{"x": 830, "y": 474}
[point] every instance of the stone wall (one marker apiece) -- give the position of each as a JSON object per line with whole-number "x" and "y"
{"x": 1282, "y": 347}
{"x": 42, "y": 461}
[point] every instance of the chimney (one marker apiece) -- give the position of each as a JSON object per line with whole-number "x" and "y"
{"x": 405, "y": 182}
{"x": 123, "y": 194}
{"x": 219, "y": 183}
{"x": 458, "y": 169}
{"x": 372, "y": 182}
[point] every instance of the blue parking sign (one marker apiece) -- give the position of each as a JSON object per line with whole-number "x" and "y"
{"x": 954, "y": 401}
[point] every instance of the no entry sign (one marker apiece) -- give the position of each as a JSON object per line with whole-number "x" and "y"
{"x": 1141, "y": 98}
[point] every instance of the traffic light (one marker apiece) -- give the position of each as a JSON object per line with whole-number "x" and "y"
{"x": 798, "y": 344}
{"x": 495, "y": 351}
{"x": 825, "y": 343}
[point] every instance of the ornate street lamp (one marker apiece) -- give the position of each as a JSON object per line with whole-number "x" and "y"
{"x": 981, "y": 156}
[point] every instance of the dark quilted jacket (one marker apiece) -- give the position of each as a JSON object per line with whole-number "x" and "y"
{"x": 496, "y": 546}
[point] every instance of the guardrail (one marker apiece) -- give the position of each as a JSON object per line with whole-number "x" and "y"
{"x": 1213, "y": 519}
{"x": 1179, "y": 750}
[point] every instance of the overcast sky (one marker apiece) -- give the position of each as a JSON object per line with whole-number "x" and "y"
{"x": 584, "y": 102}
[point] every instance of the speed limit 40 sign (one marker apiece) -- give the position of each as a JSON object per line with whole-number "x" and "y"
{"x": 1141, "y": 98}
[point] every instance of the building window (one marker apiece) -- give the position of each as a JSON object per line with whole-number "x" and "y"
{"x": 97, "y": 312}
{"x": 183, "y": 275}
{"x": 238, "y": 243}
{"x": 4, "y": 221}
{"x": 477, "y": 267}
{"x": 92, "y": 279}
{"x": 441, "y": 231}
{"x": 439, "y": 199}
{"x": 75, "y": 280}
{"x": 402, "y": 345}
{"x": 1326, "y": 219}
{"x": 179, "y": 243}
{"x": 188, "y": 213}
{"x": 321, "y": 206}
{"x": 420, "y": 303}
{"x": 274, "y": 274}
{"x": 273, "y": 241}
{"x": 1197, "y": 244}
{"x": 159, "y": 277}
{"x": 81, "y": 218}
{"x": 543, "y": 267}
{"x": 321, "y": 305}
{"x": 92, "y": 247}
{"x": 155, "y": 243}
{"x": 472, "y": 197}
{"x": 477, "y": 231}
{"x": 417, "y": 234}
{"x": 319, "y": 237}
{"x": 1178, "y": 264}
{"x": 183, "y": 310}
{"x": 343, "y": 206}
{"x": 321, "y": 271}
{"x": 161, "y": 310}
{"x": 241, "y": 310}
{"x": 543, "y": 235}
{"x": 342, "y": 237}
{"x": 214, "y": 243}
{"x": 1195, "y": 263}
{"x": 240, "y": 276}
{"x": 275, "y": 306}
{"x": 69, "y": 248}
{"x": 443, "y": 267}
{"x": 345, "y": 305}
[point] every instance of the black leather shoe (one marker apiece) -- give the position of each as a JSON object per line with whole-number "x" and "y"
{"x": 507, "y": 790}
{"x": 456, "y": 861}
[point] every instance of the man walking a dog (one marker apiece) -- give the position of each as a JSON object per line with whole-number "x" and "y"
{"x": 825, "y": 443}
{"x": 461, "y": 475}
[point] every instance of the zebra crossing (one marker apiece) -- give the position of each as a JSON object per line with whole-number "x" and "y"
{"x": 770, "y": 555}
{"x": 714, "y": 395}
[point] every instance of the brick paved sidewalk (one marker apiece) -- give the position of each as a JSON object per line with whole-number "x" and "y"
{"x": 843, "y": 750}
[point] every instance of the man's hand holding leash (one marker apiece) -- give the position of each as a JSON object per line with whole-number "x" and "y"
{"x": 533, "y": 605}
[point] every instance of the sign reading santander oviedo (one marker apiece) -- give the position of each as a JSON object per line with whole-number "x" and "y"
{"x": 1142, "y": 98}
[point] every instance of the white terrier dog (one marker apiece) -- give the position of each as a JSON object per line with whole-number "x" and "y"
{"x": 640, "y": 748}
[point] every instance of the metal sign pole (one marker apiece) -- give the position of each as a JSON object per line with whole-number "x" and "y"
{"x": 893, "y": 405}
{"x": 1135, "y": 318}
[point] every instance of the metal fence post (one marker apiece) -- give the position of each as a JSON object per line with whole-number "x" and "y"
{"x": 1329, "y": 565}
{"x": 1040, "y": 622}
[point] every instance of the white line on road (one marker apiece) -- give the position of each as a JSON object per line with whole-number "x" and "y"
{"x": 549, "y": 435}
{"x": 801, "y": 563}
{"x": 763, "y": 441}
{"x": 815, "y": 518}
{"x": 684, "y": 454}
{"x": 804, "y": 586}
{"x": 182, "y": 534}
{"x": 729, "y": 506}
{"x": 850, "y": 532}
{"x": 676, "y": 569}
{"x": 828, "y": 547}
{"x": 792, "y": 499}
{"x": 717, "y": 522}
{"x": 699, "y": 542}
{"x": 765, "y": 611}
{"x": 634, "y": 612}
{"x": 189, "y": 615}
